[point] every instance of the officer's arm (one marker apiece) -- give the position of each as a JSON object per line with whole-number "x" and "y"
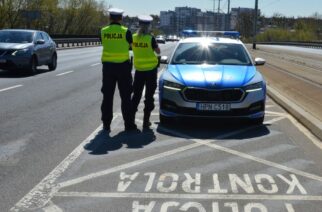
{"x": 129, "y": 38}
{"x": 155, "y": 46}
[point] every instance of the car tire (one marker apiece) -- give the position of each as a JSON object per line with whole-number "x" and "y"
{"x": 32, "y": 69}
{"x": 164, "y": 120}
{"x": 257, "y": 121}
{"x": 53, "y": 63}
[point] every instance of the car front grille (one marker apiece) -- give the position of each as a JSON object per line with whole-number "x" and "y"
{"x": 208, "y": 95}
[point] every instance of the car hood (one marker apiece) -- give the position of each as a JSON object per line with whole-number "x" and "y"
{"x": 212, "y": 76}
{"x": 14, "y": 45}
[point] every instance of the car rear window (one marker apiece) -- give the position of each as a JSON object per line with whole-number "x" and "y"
{"x": 211, "y": 53}
{"x": 16, "y": 37}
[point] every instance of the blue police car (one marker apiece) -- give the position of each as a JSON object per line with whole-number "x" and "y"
{"x": 212, "y": 77}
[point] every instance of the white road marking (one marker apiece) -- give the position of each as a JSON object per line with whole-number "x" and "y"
{"x": 96, "y": 64}
{"x": 126, "y": 166}
{"x": 68, "y": 72}
{"x": 209, "y": 143}
{"x": 52, "y": 208}
{"x": 191, "y": 196}
{"x": 42, "y": 193}
{"x": 10, "y": 88}
{"x": 305, "y": 131}
{"x": 143, "y": 160}
{"x": 47, "y": 188}
{"x": 275, "y": 113}
{"x": 269, "y": 106}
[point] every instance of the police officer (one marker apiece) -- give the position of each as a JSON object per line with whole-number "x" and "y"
{"x": 116, "y": 40}
{"x": 145, "y": 49}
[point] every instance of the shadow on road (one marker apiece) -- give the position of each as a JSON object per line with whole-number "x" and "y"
{"x": 104, "y": 143}
{"x": 20, "y": 73}
{"x": 213, "y": 129}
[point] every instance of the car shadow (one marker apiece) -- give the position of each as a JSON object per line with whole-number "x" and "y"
{"x": 213, "y": 129}
{"x": 20, "y": 73}
{"x": 103, "y": 143}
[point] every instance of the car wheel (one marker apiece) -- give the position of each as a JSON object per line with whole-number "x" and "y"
{"x": 257, "y": 121}
{"x": 164, "y": 120}
{"x": 53, "y": 63}
{"x": 33, "y": 66}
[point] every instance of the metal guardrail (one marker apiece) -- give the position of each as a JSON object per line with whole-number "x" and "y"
{"x": 301, "y": 44}
{"x": 95, "y": 41}
{"x": 76, "y": 42}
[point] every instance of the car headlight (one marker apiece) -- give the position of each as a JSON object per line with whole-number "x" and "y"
{"x": 254, "y": 87}
{"x": 20, "y": 52}
{"x": 172, "y": 85}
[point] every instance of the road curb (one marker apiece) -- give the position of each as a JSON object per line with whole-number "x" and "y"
{"x": 309, "y": 121}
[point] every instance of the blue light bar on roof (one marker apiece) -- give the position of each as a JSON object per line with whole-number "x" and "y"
{"x": 230, "y": 34}
{"x": 233, "y": 34}
{"x": 189, "y": 32}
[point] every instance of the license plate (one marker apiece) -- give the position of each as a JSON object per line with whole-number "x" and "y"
{"x": 3, "y": 61}
{"x": 213, "y": 107}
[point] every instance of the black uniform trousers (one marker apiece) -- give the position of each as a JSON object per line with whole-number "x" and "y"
{"x": 149, "y": 80}
{"x": 120, "y": 74}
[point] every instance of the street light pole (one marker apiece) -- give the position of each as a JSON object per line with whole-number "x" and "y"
{"x": 255, "y": 24}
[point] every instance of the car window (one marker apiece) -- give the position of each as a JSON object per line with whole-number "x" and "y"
{"x": 39, "y": 36}
{"x": 45, "y": 36}
{"x": 16, "y": 36}
{"x": 211, "y": 53}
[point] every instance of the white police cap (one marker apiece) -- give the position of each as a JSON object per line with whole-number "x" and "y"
{"x": 115, "y": 11}
{"x": 145, "y": 19}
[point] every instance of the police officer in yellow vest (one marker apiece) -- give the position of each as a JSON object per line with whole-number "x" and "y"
{"x": 116, "y": 41}
{"x": 145, "y": 50}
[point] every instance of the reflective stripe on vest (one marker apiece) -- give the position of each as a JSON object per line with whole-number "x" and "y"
{"x": 144, "y": 56}
{"x": 115, "y": 45}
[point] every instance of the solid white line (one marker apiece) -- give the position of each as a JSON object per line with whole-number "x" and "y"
{"x": 42, "y": 193}
{"x": 127, "y": 165}
{"x": 96, "y": 64}
{"x": 191, "y": 196}
{"x": 68, "y": 72}
{"x": 144, "y": 160}
{"x": 247, "y": 156}
{"x": 12, "y": 87}
{"x": 305, "y": 131}
{"x": 276, "y": 113}
{"x": 52, "y": 208}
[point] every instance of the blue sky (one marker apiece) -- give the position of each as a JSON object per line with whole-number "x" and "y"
{"x": 268, "y": 7}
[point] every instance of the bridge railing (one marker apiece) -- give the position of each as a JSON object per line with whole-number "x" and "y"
{"x": 83, "y": 41}
{"x": 76, "y": 42}
{"x": 297, "y": 43}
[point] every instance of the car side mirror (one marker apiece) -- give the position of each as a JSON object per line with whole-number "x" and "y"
{"x": 259, "y": 61}
{"x": 164, "y": 60}
{"x": 40, "y": 41}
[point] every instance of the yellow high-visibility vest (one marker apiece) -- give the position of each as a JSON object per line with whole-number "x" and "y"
{"x": 115, "y": 45}
{"x": 144, "y": 57}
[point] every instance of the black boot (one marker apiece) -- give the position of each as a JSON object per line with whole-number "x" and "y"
{"x": 146, "y": 121}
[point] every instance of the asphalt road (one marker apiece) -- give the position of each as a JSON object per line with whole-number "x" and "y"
{"x": 54, "y": 156}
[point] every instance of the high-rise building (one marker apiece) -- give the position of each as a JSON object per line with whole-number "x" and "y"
{"x": 167, "y": 22}
{"x": 174, "y": 22}
{"x": 186, "y": 18}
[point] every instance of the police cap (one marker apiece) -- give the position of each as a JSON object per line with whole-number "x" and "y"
{"x": 115, "y": 11}
{"x": 145, "y": 19}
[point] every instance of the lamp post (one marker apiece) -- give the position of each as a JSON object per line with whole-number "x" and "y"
{"x": 255, "y": 24}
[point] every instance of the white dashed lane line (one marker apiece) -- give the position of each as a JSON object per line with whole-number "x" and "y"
{"x": 10, "y": 88}
{"x": 68, "y": 72}
{"x": 96, "y": 64}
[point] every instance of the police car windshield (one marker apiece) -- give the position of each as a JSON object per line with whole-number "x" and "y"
{"x": 8, "y": 36}
{"x": 211, "y": 53}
